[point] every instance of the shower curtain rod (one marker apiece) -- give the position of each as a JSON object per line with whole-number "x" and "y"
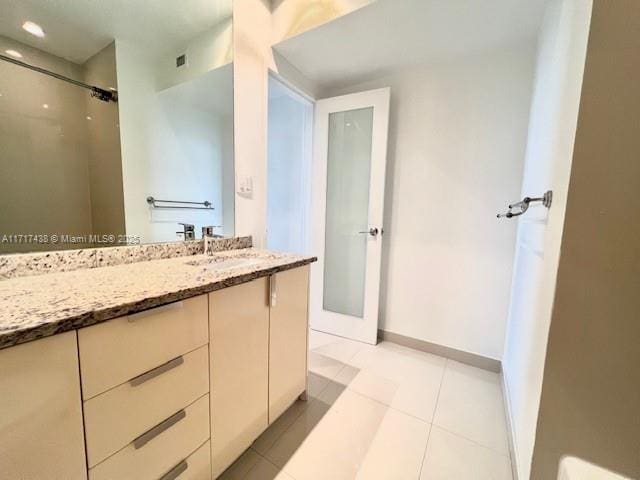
{"x": 97, "y": 92}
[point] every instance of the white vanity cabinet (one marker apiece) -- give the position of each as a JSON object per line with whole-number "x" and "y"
{"x": 239, "y": 339}
{"x": 258, "y": 341}
{"x": 41, "y": 433}
{"x": 173, "y": 392}
{"x": 288, "y": 332}
{"x": 145, "y": 386}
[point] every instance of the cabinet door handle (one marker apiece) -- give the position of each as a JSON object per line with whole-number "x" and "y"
{"x": 273, "y": 291}
{"x": 170, "y": 306}
{"x": 175, "y": 471}
{"x": 153, "y": 373}
{"x": 149, "y": 435}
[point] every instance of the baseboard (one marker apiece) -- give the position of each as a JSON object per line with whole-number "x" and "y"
{"x": 510, "y": 431}
{"x": 473, "y": 359}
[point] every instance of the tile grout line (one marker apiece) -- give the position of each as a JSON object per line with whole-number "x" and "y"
{"x": 476, "y": 443}
{"x": 454, "y": 433}
{"x": 295, "y": 419}
{"x": 433, "y": 416}
{"x": 310, "y": 401}
{"x": 348, "y": 387}
{"x": 389, "y": 407}
{"x": 444, "y": 369}
{"x": 432, "y": 424}
{"x": 280, "y": 470}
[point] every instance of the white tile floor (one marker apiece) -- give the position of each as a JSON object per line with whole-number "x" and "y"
{"x": 384, "y": 412}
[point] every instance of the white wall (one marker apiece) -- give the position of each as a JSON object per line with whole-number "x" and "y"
{"x": 186, "y": 164}
{"x": 456, "y": 151}
{"x": 257, "y": 25}
{"x": 554, "y": 112}
{"x": 207, "y": 51}
{"x": 172, "y": 147}
{"x": 251, "y": 58}
{"x": 136, "y": 91}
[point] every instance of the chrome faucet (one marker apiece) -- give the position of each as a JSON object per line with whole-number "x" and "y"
{"x": 208, "y": 236}
{"x": 189, "y": 231}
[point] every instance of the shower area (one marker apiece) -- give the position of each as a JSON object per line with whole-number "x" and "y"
{"x": 60, "y": 164}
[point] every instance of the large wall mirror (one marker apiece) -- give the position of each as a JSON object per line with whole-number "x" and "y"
{"x": 116, "y": 122}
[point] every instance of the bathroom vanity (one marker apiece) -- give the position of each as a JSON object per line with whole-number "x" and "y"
{"x": 166, "y": 368}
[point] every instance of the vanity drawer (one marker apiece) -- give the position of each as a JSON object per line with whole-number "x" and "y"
{"x": 196, "y": 466}
{"x": 114, "y": 352}
{"x": 166, "y": 446}
{"x": 116, "y": 417}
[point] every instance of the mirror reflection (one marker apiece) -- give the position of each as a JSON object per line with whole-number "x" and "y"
{"x": 116, "y": 123}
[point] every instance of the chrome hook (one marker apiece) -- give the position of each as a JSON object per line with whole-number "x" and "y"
{"x": 523, "y": 205}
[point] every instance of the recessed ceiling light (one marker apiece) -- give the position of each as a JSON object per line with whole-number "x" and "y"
{"x": 33, "y": 29}
{"x": 45, "y": 106}
{"x": 88, "y": 118}
{"x": 13, "y": 53}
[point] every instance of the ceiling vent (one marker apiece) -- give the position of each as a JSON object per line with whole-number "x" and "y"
{"x": 181, "y": 61}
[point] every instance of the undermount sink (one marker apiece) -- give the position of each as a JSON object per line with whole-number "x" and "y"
{"x": 224, "y": 263}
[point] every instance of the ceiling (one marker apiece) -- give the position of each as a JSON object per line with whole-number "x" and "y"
{"x": 392, "y": 34}
{"x": 78, "y": 29}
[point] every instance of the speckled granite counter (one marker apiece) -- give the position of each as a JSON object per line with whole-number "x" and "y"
{"x": 43, "y": 305}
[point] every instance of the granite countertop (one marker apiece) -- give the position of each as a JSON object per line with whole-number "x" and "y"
{"x": 43, "y": 305}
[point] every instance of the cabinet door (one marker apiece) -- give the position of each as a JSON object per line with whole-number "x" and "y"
{"x": 41, "y": 433}
{"x": 287, "y": 339}
{"x": 239, "y": 341}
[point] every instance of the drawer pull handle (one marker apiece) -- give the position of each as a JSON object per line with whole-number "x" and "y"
{"x": 149, "y": 435}
{"x": 175, "y": 471}
{"x": 145, "y": 313}
{"x": 165, "y": 367}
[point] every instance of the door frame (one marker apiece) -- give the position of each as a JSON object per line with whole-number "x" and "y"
{"x": 365, "y": 329}
{"x": 295, "y": 92}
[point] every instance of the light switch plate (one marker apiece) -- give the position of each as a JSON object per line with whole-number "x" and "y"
{"x": 245, "y": 186}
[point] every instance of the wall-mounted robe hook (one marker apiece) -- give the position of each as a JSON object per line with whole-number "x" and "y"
{"x": 523, "y": 205}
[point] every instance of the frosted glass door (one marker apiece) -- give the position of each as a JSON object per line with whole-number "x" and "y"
{"x": 350, "y": 147}
{"x": 347, "y": 211}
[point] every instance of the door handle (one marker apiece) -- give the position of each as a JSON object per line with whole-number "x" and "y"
{"x": 373, "y": 231}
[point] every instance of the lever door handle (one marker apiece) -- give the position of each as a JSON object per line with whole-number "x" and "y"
{"x": 373, "y": 231}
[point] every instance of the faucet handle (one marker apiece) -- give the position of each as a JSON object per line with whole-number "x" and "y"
{"x": 188, "y": 232}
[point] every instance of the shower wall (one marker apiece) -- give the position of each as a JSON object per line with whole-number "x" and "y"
{"x": 103, "y": 142}
{"x": 44, "y": 179}
{"x": 60, "y": 165}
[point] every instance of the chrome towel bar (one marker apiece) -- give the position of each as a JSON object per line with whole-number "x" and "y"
{"x": 156, "y": 203}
